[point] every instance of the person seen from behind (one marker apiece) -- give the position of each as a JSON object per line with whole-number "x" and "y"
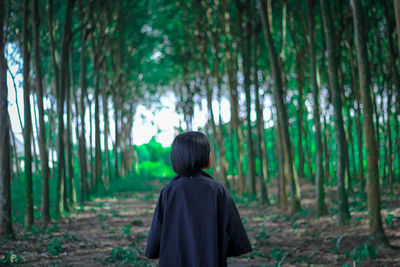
{"x": 196, "y": 222}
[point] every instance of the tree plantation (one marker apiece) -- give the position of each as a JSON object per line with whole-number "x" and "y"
{"x": 300, "y": 101}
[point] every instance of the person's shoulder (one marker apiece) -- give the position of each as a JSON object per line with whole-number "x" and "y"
{"x": 220, "y": 188}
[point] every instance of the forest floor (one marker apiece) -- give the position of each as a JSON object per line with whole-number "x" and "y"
{"x": 113, "y": 231}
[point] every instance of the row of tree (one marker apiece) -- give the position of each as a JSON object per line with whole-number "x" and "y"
{"x": 85, "y": 56}
{"x": 293, "y": 51}
{"x": 325, "y": 73}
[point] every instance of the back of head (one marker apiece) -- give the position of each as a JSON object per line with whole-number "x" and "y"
{"x": 190, "y": 153}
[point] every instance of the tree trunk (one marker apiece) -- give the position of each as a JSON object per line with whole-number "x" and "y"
{"x": 116, "y": 133}
{"x": 389, "y": 142}
{"x": 245, "y": 46}
{"x": 374, "y": 208}
{"x": 104, "y": 100}
{"x": 288, "y": 167}
{"x": 27, "y": 122}
{"x": 71, "y": 196}
{"x": 81, "y": 137}
{"x": 340, "y": 138}
{"x": 61, "y": 190}
{"x": 319, "y": 172}
{"x": 260, "y": 129}
{"x": 397, "y": 16}
{"x": 45, "y": 207}
{"x": 91, "y": 157}
{"x": 6, "y": 229}
{"x": 98, "y": 174}
{"x": 231, "y": 68}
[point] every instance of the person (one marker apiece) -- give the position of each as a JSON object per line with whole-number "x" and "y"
{"x": 196, "y": 222}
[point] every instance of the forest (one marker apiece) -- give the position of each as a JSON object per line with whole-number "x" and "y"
{"x": 307, "y": 142}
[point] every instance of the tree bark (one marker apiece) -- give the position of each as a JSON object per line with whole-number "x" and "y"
{"x": 260, "y": 130}
{"x": 340, "y": 138}
{"x": 61, "y": 190}
{"x": 71, "y": 196}
{"x": 374, "y": 206}
{"x": 45, "y": 207}
{"x": 283, "y": 124}
{"x": 104, "y": 100}
{"x": 245, "y": 46}
{"x": 397, "y": 16}
{"x": 81, "y": 138}
{"x": 27, "y": 121}
{"x": 319, "y": 172}
{"x": 6, "y": 228}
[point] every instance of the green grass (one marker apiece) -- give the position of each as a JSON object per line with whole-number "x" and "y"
{"x": 132, "y": 183}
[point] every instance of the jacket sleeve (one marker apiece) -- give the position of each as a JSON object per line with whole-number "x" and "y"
{"x": 238, "y": 241}
{"x": 153, "y": 241}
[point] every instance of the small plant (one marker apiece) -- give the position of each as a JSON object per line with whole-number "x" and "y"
{"x": 121, "y": 255}
{"x": 53, "y": 228}
{"x": 137, "y": 222}
{"x": 277, "y": 253}
{"x": 262, "y": 235}
{"x": 389, "y": 219}
{"x": 10, "y": 259}
{"x": 102, "y": 217}
{"x": 126, "y": 229}
{"x": 54, "y": 247}
{"x": 361, "y": 253}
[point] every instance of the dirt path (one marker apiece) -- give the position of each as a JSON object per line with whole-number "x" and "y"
{"x": 113, "y": 231}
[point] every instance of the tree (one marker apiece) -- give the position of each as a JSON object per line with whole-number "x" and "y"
{"x": 45, "y": 207}
{"x": 329, "y": 31}
{"x": 61, "y": 188}
{"x": 288, "y": 171}
{"x": 27, "y": 121}
{"x": 319, "y": 174}
{"x": 5, "y": 146}
{"x": 374, "y": 205}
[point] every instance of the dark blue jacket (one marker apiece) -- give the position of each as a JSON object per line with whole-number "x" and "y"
{"x": 196, "y": 224}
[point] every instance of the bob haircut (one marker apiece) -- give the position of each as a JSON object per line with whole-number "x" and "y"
{"x": 190, "y": 153}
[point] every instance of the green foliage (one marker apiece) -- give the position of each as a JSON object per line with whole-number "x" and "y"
{"x": 122, "y": 256}
{"x": 361, "y": 253}
{"x": 277, "y": 253}
{"x": 154, "y": 160}
{"x": 11, "y": 259}
{"x": 54, "y": 247}
{"x": 389, "y": 219}
{"x": 126, "y": 230}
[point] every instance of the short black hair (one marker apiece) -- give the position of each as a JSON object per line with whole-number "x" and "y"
{"x": 190, "y": 153}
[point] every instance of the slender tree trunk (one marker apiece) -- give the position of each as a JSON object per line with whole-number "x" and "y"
{"x": 389, "y": 142}
{"x": 98, "y": 174}
{"x": 6, "y": 228}
{"x": 245, "y": 43}
{"x": 260, "y": 130}
{"x": 45, "y": 207}
{"x": 116, "y": 133}
{"x": 231, "y": 68}
{"x": 374, "y": 208}
{"x": 397, "y": 16}
{"x": 104, "y": 100}
{"x": 81, "y": 137}
{"x": 300, "y": 87}
{"x": 27, "y": 121}
{"x": 70, "y": 167}
{"x": 288, "y": 167}
{"x": 91, "y": 157}
{"x": 61, "y": 190}
{"x": 340, "y": 138}
{"x": 358, "y": 116}
{"x": 319, "y": 172}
